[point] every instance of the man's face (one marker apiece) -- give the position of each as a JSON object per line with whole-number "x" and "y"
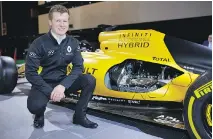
{"x": 59, "y": 23}
{"x": 210, "y": 38}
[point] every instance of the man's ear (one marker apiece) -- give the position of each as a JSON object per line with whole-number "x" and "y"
{"x": 50, "y": 23}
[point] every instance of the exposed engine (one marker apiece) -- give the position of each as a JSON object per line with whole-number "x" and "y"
{"x": 139, "y": 76}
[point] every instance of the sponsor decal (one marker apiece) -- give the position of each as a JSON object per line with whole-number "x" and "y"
{"x": 133, "y": 44}
{"x": 208, "y": 114}
{"x": 134, "y": 101}
{"x": 98, "y": 98}
{"x": 161, "y": 59}
{"x": 88, "y": 70}
{"x": 166, "y": 119}
{"x": 188, "y": 68}
{"x": 134, "y": 40}
{"x": 135, "y": 35}
{"x": 203, "y": 90}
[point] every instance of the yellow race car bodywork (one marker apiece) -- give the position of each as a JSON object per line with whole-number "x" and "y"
{"x": 141, "y": 45}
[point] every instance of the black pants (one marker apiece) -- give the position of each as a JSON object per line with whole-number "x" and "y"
{"x": 37, "y": 101}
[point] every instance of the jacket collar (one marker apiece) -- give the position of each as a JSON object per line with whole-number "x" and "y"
{"x": 55, "y": 38}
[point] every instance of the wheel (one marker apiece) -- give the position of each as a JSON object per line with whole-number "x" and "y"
{"x": 197, "y": 112}
{"x": 8, "y": 75}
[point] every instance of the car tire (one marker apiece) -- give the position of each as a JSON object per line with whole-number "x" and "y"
{"x": 8, "y": 75}
{"x": 198, "y": 107}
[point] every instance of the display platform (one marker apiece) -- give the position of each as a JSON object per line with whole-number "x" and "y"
{"x": 16, "y": 122}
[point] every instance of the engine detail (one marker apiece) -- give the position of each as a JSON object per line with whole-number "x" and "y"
{"x": 139, "y": 76}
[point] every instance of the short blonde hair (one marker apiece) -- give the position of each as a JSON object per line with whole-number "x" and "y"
{"x": 57, "y": 8}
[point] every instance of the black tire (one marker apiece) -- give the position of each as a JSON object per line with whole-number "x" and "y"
{"x": 197, "y": 108}
{"x": 8, "y": 75}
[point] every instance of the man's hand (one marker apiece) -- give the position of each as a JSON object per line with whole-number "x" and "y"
{"x": 57, "y": 93}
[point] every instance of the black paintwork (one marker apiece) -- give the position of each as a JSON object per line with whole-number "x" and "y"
{"x": 168, "y": 113}
{"x": 189, "y": 54}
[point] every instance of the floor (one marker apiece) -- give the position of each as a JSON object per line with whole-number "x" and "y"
{"x": 16, "y": 123}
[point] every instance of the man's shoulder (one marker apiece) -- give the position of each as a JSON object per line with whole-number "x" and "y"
{"x": 72, "y": 38}
{"x": 41, "y": 39}
{"x": 37, "y": 42}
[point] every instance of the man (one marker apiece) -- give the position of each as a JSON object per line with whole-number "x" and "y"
{"x": 208, "y": 42}
{"x": 53, "y": 52}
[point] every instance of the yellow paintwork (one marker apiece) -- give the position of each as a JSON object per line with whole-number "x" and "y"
{"x": 118, "y": 46}
{"x": 21, "y": 69}
{"x": 190, "y": 115}
{"x": 208, "y": 114}
{"x": 112, "y": 55}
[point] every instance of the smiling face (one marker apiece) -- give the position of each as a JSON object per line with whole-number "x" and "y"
{"x": 59, "y": 23}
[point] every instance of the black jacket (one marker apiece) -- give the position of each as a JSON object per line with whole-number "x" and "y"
{"x": 53, "y": 58}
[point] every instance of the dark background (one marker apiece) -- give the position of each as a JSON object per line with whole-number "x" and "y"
{"x": 17, "y": 15}
{"x": 21, "y": 19}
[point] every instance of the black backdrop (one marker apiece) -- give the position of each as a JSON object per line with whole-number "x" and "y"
{"x": 193, "y": 29}
{"x": 22, "y": 28}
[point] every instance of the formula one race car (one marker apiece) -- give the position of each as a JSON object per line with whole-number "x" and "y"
{"x": 146, "y": 67}
{"x": 149, "y": 66}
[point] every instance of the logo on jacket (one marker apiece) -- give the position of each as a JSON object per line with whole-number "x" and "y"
{"x": 32, "y": 54}
{"x": 78, "y": 48}
{"x": 50, "y": 52}
{"x": 69, "y": 49}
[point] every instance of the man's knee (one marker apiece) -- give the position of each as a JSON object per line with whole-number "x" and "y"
{"x": 89, "y": 79}
{"x": 36, "y": 101}
{"x": 36, "y": 107}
